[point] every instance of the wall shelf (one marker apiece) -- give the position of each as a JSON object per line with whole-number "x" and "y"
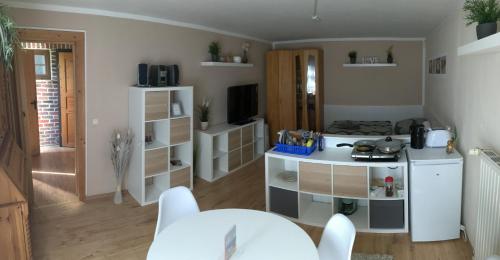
{"x": 225, "y": 64}
{"x": 486, "y": 45}
{"x": 358, "y": 65}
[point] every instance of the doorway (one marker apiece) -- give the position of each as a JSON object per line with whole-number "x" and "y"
{"x": 52, "y": 121}
{"x": 51, "y": 66}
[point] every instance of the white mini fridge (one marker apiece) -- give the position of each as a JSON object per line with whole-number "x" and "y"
{"x": 435, "y": 194}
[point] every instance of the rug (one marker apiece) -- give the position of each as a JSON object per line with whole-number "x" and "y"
{"x": 356, "y": 256}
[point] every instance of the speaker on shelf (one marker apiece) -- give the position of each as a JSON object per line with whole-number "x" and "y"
{"x": 142, "y": 75}
{"x": 173, "y": 75}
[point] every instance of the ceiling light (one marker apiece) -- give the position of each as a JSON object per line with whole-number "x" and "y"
{"x": 315, "y": 16}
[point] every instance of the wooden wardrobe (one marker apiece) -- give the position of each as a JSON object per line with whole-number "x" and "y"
{"x": 294, "y": 90}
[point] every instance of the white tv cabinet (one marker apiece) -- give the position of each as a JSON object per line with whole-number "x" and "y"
{"x": 325, "y": 178}
{"x": 225, "y": 148}
{"x": 150, "y": 171}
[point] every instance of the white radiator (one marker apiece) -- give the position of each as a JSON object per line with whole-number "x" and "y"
{"x": 488, "y": 215}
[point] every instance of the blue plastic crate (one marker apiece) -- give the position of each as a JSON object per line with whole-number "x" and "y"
{"x": 295, "y": 149}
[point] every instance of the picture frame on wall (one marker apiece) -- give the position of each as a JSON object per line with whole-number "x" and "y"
{"x": 177, "y": 109}
{"x": 437, "y": 65}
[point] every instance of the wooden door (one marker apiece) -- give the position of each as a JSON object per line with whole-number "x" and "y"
{"x": 280, "y": 93}
{"x": 25, "y": 70}
{"x": 67, "y": 98}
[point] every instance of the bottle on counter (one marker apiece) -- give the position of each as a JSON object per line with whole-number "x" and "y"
{"x": 389, "y": 186}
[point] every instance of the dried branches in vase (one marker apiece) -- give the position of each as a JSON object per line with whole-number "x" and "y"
{"x": 121, "y": 151}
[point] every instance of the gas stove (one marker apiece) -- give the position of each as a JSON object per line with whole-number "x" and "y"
{"x": 375, "y": 155}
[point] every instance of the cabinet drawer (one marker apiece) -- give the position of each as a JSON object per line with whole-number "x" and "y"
{"x": 350, "y": 181}
{"x": 181, "y": 177}
{"x": 234, "y": 159}
{"x": 234, "y": 140}
{"x": 180, "y": 130}
{"x": 246, "y": 153}
{"x": 315, "y": 178}
{"x": 156, "y": 161}
{"x": 247, "y": 135}
{"x": 156, "y": 105}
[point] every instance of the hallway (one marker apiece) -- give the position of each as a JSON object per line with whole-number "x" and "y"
{"x": 54, "y": 176}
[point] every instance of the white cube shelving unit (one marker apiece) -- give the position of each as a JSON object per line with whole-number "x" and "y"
{"x": 150, "y": 171}
{"x": 225, "y": 148}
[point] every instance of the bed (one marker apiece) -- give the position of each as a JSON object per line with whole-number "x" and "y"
{"x": 351, "y": 127}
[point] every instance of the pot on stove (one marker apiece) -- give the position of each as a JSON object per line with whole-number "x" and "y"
{"x": 389, "y": 146}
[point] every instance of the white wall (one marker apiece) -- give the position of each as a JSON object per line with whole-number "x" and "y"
{"x": 115, "y": 46}
{"x": 466, "y": 97}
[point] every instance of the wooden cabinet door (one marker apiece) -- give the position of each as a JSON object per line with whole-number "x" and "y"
{"x": 67, "y": 98}
{"x": 25, "y": 75}
{"x": 181, "y": 177}
{"x": 350, "y": 181}
{"x": 280, "y": 93}
{"x": 315, "y": 178}
{"x": 234, "y": 139}
{"x": 247, "y": 135}
{"x": 234, "y": 159}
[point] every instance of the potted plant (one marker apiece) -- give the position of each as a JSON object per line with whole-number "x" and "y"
{"x": 214, "y": 50}
{"x": 352, "y": 56}
{"x": 8, "y": 43}
{"x": 204, "y": 109}
{"x": 390, "y": 58}
{"x": 485, "y": 13}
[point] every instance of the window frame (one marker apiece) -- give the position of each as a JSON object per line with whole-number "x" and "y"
{"x": 46, "y": 54}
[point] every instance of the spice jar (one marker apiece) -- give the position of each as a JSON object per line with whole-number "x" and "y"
{"x": 389, "y": 186}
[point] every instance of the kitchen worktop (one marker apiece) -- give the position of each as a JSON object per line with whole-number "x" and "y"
{"x": 337, "y": 156}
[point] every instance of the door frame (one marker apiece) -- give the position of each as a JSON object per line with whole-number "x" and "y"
{"x": 77, "y": 39}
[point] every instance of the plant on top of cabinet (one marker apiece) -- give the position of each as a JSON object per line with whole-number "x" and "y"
{"x": 204, "y": 109}
{"x": 390, "y": 58}
{"x": 485, "y": 13}
{"x": 214, "y": 50}
{"x": 352, "y": 56}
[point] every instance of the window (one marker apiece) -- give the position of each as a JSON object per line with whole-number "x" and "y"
{"x": 42, "y": 64}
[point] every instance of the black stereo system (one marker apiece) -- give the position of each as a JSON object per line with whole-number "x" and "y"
{"x": 157, "y": 75}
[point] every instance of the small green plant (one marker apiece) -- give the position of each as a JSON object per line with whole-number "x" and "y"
{"x": 8, "y": 39}
{"x": 390, "y": 58}
{"x": 353, "y": 54}
{"x": 204, "y": 109}
{"x": 214, "y": 50}
{"x": 481, "y": 11}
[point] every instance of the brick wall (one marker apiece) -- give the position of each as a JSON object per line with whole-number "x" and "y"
{"x": 47, "y": 92}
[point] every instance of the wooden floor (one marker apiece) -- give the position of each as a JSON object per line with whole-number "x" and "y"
{"x": 100, "y": 230}
{"x": 54, "y": 179}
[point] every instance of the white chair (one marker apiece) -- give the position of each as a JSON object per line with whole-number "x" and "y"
{"x": 337, "y": 239}
{"x": 174, "y": 204}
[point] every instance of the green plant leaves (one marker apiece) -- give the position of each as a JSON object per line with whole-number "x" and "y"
{"x": 481, "y": 11}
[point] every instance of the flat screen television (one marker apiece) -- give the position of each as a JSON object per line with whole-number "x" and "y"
{"x": 241, "y": 104}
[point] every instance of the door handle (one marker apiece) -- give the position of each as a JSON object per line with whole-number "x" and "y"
{"x": 34, "y": 104}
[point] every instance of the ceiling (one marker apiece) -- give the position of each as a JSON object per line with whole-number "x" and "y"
{"x": 278, "y": 20}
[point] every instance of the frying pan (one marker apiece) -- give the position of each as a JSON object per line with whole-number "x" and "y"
{"x": 388, "y": 145}
{"x": 361, "y": 145}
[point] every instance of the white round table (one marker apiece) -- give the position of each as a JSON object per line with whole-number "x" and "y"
{"x": 259, "y": 235}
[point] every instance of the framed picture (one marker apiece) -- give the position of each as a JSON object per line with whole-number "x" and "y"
{"x": 176, "y": 109}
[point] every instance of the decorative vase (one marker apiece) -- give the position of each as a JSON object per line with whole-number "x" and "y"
{"x": 244, "y": 59}
{"x": 204, "y": 125}
{"x": 353, "y": 60}
{"x": 390, "y": 59}
{"x": 215, "y": 57}
{"x": 118, "y": 194}
{"x": 485, "y": 30}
